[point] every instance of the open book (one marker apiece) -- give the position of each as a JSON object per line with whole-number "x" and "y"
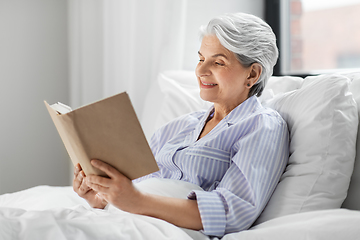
{"x": 107, "y": 130}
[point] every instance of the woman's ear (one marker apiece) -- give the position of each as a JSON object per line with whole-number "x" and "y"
{"x": 254, "y": 74}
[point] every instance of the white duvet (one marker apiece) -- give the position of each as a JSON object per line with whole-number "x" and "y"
{"x": 58, "y": 213}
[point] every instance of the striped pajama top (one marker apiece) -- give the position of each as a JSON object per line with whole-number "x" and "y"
{"x": 238, "y": 163}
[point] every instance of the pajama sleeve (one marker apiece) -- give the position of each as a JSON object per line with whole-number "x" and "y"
{"x": 257, "y": 163}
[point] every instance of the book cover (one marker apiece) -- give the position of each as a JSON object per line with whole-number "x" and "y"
{"x": 108, "y": 130}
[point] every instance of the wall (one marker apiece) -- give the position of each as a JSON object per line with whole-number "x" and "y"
{"x": 33, "y": 68}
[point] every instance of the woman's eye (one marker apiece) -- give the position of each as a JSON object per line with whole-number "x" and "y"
{"x": 200, "y": 60}
{"x": 220, "y": 64}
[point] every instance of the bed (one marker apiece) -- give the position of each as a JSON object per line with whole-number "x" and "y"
{"x": 318, "y": 196}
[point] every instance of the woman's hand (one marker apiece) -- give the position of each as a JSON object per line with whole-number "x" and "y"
{"x": 94, "y": 199}
{"x": 120, "y": 192}
{"x": 117, "y": 189}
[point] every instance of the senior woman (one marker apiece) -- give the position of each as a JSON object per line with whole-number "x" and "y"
{"x": 236, "y": 151}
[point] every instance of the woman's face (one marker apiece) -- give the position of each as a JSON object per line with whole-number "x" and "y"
{"x": 221, "y": 77}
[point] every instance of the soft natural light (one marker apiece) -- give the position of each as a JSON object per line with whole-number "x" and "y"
{"x": 323, "y": 36}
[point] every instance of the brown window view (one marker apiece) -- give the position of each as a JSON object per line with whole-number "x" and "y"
{"x": 321, "y": 36}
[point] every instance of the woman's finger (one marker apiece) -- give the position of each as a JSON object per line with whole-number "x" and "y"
{"x": 76, "y": 183}
{"x": 84, "y": 188}
{"x": 97, "y": 188}
{"x": 78, "y": 178}
{"x": 106, "y": 168}
{"x": 79, "y": 184}
{"x": 77, "y": 169}
{"x": 98, "y": 180}
{"x": 101, "y": 195}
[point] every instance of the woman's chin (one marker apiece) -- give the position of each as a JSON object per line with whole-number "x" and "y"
{"x": 206, "y": 97}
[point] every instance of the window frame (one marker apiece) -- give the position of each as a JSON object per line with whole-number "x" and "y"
{"x": 273, "y": 18}
{"x": 279, "y": 20}
{"x": 278, "y": 17}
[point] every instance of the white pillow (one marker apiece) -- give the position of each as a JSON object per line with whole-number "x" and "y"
{"x": 181, "y": 95}
{"x": 353, "y": 197}
{"x": 284, "y": 84}
{"x": 322, "y": 119}
{"x": 277, "y": 85}
{"x": 172, "y": 94}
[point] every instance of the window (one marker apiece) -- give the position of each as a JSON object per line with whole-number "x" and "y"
{"x": 315, "y": 36}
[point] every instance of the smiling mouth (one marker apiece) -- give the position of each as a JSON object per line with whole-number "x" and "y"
{"x": 208, "y": 84}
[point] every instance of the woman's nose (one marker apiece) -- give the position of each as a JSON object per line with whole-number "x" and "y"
{"x": 202, "y": 69}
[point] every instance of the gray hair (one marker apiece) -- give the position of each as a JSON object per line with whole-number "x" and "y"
{"x": 250, "y": 38}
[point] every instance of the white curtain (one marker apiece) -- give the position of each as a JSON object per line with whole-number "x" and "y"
{"x": 122, "y": 45}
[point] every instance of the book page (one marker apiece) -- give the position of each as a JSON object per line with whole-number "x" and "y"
{"x": 61, "y": 108}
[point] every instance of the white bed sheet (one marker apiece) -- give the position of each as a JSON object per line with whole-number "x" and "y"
{"x": 45, "y": 212}
{"x": 332, "y": 224}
